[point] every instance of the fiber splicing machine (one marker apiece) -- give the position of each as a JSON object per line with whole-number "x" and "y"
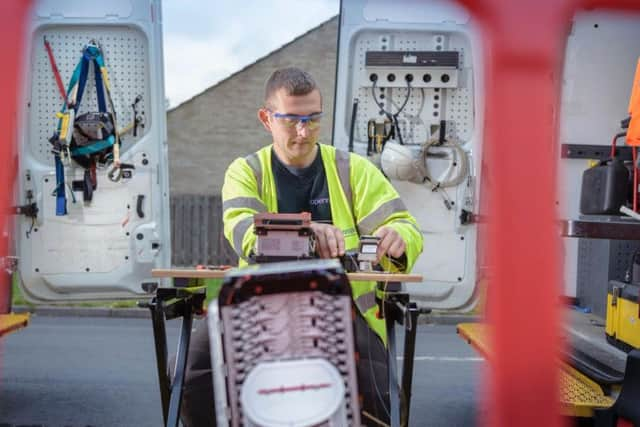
{"x": 282, "y": 335}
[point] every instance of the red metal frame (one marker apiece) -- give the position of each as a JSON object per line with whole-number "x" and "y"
{"x": 524, "y": 47}
{"x": 13, "y": 14}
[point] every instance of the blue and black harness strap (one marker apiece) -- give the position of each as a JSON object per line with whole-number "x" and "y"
{"x": 75, "y": 90}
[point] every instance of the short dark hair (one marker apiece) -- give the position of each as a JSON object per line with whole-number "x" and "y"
{"x": 293, "y": 80}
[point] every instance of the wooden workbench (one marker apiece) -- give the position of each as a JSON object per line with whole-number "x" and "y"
{"x": 185, "y": 273}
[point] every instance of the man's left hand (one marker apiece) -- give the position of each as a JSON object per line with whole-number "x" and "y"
{"x": 391, "y": 243}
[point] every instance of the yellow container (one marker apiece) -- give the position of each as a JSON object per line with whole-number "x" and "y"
{"x": 623, "y": 315}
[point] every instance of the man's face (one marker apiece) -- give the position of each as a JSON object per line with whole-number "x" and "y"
{"x": 294, "y": 141}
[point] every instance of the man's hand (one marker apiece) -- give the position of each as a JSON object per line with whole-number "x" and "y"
{"x": 391, "y": 243}
{"x": 329, "y": 240}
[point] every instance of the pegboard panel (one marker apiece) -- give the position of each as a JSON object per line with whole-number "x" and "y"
{"x": 459, "y": 114}
{"x": 413, "y": 127}
{"x": 621, "y": 258}
{"x": 426, "y": 106}
{"x": 125, "y": 52}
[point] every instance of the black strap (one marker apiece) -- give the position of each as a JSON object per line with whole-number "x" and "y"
{"x": 87, "y": 190}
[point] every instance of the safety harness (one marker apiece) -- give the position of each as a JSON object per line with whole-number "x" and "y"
{"x": 89, "y": 139}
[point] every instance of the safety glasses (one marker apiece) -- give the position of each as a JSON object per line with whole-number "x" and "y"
{"x": 312, "y": 121}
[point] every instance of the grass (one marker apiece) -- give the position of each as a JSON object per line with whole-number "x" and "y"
{"x": 213, "y": 288}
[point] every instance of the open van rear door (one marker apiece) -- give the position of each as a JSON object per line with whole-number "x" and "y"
{"x": 104, "y": 248}
{"x": 413, "y": 69}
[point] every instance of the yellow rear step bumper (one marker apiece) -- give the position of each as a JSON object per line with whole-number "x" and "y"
{"x": 579, "y": 395}
{"x": 12, "y": 322}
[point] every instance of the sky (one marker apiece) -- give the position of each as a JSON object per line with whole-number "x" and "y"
{"x": 206, "y": 41}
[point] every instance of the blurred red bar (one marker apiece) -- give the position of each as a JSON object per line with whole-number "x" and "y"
{"x": 524, "y": 46}
{"x": 13, "y": 16}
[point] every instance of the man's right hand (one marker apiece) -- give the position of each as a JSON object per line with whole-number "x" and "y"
{"x": 329, "y": 240}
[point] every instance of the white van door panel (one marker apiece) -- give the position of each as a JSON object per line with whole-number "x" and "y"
{"x": 105, "y": 248}
{"x": 421, "y": 31}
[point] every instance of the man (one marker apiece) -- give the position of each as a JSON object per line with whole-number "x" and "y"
{"x": 346, "y": 195}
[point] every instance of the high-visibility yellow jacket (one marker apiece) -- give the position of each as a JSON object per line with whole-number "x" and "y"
{"x": 362, "y": 200}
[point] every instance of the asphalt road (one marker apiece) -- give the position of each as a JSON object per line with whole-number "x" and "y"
{"x": 80, "y": 372}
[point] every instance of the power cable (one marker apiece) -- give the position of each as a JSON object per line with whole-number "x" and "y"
{"x": 392, "y": 117}
{"x": 460, "y": 163}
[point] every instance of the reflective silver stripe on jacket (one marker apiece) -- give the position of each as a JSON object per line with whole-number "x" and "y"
{"x": 254, "y": 162}
{"x": 238, "y": 234}
{"x": 343, "y": 166}
{"x": 405, "y": 221}
{"x": 371, "y": 222}
{"x": 366, "y": 301}
{"x": 244, "y": 202}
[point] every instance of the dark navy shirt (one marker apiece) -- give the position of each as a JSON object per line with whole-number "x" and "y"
{"x": 302, "y": 189}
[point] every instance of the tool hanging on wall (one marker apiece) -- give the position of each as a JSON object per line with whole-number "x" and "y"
{"x": 138, "y": 116}
{"x": 393, "y": 118}
{"x": 88, "y": 139}
{"x": 125, "y": 170}
{"x": 54, "y": 69}
{"x": 378, "y": 133}
{"x": 352, "y": 126}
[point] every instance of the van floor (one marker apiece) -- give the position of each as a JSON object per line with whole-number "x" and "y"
{"x": 587, "y": 344}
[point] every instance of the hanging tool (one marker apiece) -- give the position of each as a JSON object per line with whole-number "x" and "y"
{"x": 354, "y": 115}
{"x": 378, "y": 133}
{"x": 90, "y": 138}
{"x": 54, "y": 68}
{"x": 138, "y": 118}
{"x": 371, "y": 134}
{"x": 124, "y": 170}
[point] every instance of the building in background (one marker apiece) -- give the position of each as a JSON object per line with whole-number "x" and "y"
{"x": 209, "y": 131}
